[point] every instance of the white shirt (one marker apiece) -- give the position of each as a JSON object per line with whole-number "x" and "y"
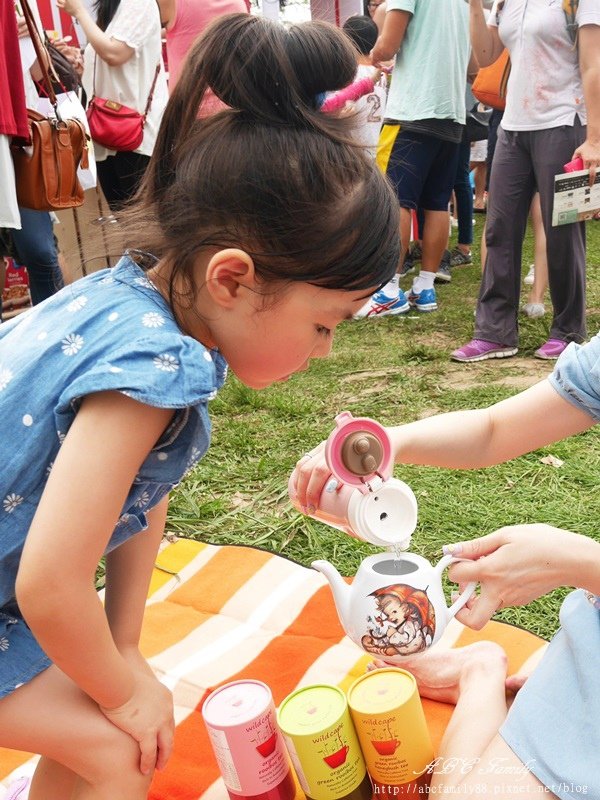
{"x": 370, "y": 110}
{"x": 544, "y": 89}
{"x": 137, "y": 23}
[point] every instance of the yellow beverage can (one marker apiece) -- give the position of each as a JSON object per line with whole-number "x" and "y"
{"x": 322, "y": 743}
{"x": 389, "y": 721}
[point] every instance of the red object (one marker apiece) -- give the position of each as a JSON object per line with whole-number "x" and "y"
{"x": 338, "y": 758}
{"x": 286, "y": 790}
{"x": 385, "y": 747}
{"x": 268, "y": 746}
{"x": 574, "y": 165}
{"x": 13, "y": 113}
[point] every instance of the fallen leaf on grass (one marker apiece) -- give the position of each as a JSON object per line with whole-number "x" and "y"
{"x": 552, "y": 461}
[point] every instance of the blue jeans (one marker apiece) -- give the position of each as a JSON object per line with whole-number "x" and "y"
{"x": 35, "y": 248}
{"x": 463, "y": 192}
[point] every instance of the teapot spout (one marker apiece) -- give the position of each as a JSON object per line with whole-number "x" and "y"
{"x": 340, "y": 589}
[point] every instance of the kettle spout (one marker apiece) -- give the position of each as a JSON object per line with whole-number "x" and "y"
{"x": 340, "y": 589}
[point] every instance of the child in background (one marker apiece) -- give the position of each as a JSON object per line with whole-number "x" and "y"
{"x": 370, "y": 107}
{"x": 251, "y": 246}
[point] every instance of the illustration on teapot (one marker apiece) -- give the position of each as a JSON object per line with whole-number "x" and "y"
{"x": 395, "y": 606}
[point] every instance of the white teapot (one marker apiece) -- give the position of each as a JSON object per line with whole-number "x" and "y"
{"x": 395, "y": 606}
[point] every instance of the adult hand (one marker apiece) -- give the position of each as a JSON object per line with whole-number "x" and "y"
{"x": 22, "y": 29}
{"x": 589, "y": 153}
{"x": 72, "y": 7}
{"x": 148, "y": 718}
{"x": 514, "y": 566}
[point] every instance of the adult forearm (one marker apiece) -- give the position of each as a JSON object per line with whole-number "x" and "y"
{"x": 582, "y": 564}
{"x": 482, "y": 38}
{"x": 458, "y": 440}
{"x": 591, "y": 92}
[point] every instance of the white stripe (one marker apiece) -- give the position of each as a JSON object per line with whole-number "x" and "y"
{"x": 185, "y": 573}
{"x": 234, "y": 643}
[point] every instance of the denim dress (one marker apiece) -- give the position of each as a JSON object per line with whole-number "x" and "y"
{"x": 553, "y": 725}
{"x": 110, "y": 331}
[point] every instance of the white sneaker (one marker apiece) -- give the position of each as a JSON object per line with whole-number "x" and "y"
{"x": 383, "y": 305}
{"x": 528, "y": 279}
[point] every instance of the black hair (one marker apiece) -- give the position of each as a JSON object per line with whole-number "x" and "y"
{"x": 363, "y": 33}
{"x": 105, "y": 11}
{"x": 270, "y": 174}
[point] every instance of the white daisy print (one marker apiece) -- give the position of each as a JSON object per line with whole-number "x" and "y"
{"x": 77, "y": 304}
{"x": 192, "y": 459}
{"x": 145, "y": 282}
{"x": 108, "y": 279}
{"x": 207, "y": 356}
{"x": 61, "y": 436}
{"x": 6, "y": 377}
{"x": 72, "y": 344}
{"x": 166, "y": 363}
{"x": 11, "y": 501}
{"x": 153, "y": 319}
{"x": 4, "y": 644}
{"x": 142, "y": 500}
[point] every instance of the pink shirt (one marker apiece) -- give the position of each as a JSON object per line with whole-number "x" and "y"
{"x": 191, "y": 18}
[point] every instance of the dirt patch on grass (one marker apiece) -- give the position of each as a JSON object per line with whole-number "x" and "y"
{"x": 519, "y": 374}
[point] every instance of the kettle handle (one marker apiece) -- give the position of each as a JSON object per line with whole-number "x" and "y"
{"x": 466, "y": 593}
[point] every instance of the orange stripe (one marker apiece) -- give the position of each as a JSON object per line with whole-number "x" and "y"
{"x": 519, "y": 644}
{"x": 202, "y": 596}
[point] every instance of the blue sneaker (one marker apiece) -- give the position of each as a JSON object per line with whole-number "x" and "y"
{"x": 382, "y": 305}
{"x": 424, "y": 300}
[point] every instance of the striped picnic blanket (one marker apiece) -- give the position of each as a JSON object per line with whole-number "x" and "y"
{"x": 217, "y": 614}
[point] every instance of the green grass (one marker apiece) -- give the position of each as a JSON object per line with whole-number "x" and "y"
{"x": 394, "y": 370}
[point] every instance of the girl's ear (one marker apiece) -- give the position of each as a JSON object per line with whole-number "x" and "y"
{"x": 227, "y": 272}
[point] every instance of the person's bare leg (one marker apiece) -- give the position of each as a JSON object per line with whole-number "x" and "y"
{"x": 435, "y": 239}
{"x": 405, "y": 229}
{"x": 483, "y": 249}
{"x": 540, "y": 276}
{"x": 479, "y": 180}
{"x": 51, "y": 776}
{"x": 50, "y": 715}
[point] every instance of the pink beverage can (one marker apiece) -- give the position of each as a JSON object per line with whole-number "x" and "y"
{"x": 242, "y": 726}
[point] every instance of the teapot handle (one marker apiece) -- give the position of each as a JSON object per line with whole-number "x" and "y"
{"x": 466, "y": 593}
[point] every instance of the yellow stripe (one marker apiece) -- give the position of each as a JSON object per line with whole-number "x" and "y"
{"x": 387, "y": 137}
{"x": 173, "y": 558}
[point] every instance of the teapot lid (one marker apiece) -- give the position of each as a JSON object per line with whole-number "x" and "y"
{"x": 358, "y": 450}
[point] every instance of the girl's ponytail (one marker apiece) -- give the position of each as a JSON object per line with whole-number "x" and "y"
{"x": 271, "y": 75}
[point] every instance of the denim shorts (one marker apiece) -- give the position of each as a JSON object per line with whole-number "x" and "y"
{"x": 421, "y": 168}
{"x": 21, "y": 657}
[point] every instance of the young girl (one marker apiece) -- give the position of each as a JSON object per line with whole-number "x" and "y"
{"x": 548, "y": 744}
{"x": 251, "y": 247}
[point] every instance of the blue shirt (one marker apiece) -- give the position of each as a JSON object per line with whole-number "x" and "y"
{"x": 109, "y": 331}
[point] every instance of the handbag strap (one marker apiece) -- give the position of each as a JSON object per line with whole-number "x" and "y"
{"x": 150, "y": 94}
{"x": 41, "y": 53}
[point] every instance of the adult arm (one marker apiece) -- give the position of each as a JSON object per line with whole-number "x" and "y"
{"x": 391, "y": 37}
{"x": 483, "y": 437}
{"x": 589, "y": 64}
{"x": 108, "y": 49}
{"x": 108, "y": 441}
{"x": 485, "y": 40}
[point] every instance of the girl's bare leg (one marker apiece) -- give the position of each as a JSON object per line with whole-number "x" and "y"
{"x": 53, "y": 717}
{"x": 540, "y": 278}
{"x": 473, "y": 678}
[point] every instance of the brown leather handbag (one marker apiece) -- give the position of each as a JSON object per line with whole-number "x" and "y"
{"x": 46, "y": 167}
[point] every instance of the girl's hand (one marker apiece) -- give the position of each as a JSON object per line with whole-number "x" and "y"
{"x": 514, "y": 566}
{"x": 72, "y": 7}
{"x": 148, "y": 718}
{"x": 310, "y": 477}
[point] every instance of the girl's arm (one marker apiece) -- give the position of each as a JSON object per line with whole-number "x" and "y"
{"x": 487, "y": 436}
{"x": 110, "y": 50}
{"x": 485, "y": 40}
{"x": 128, "y": 572}
{"x": 353, "y": 91}
{"x": 109, "y": 439}
{"x": 589, "y": 64}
